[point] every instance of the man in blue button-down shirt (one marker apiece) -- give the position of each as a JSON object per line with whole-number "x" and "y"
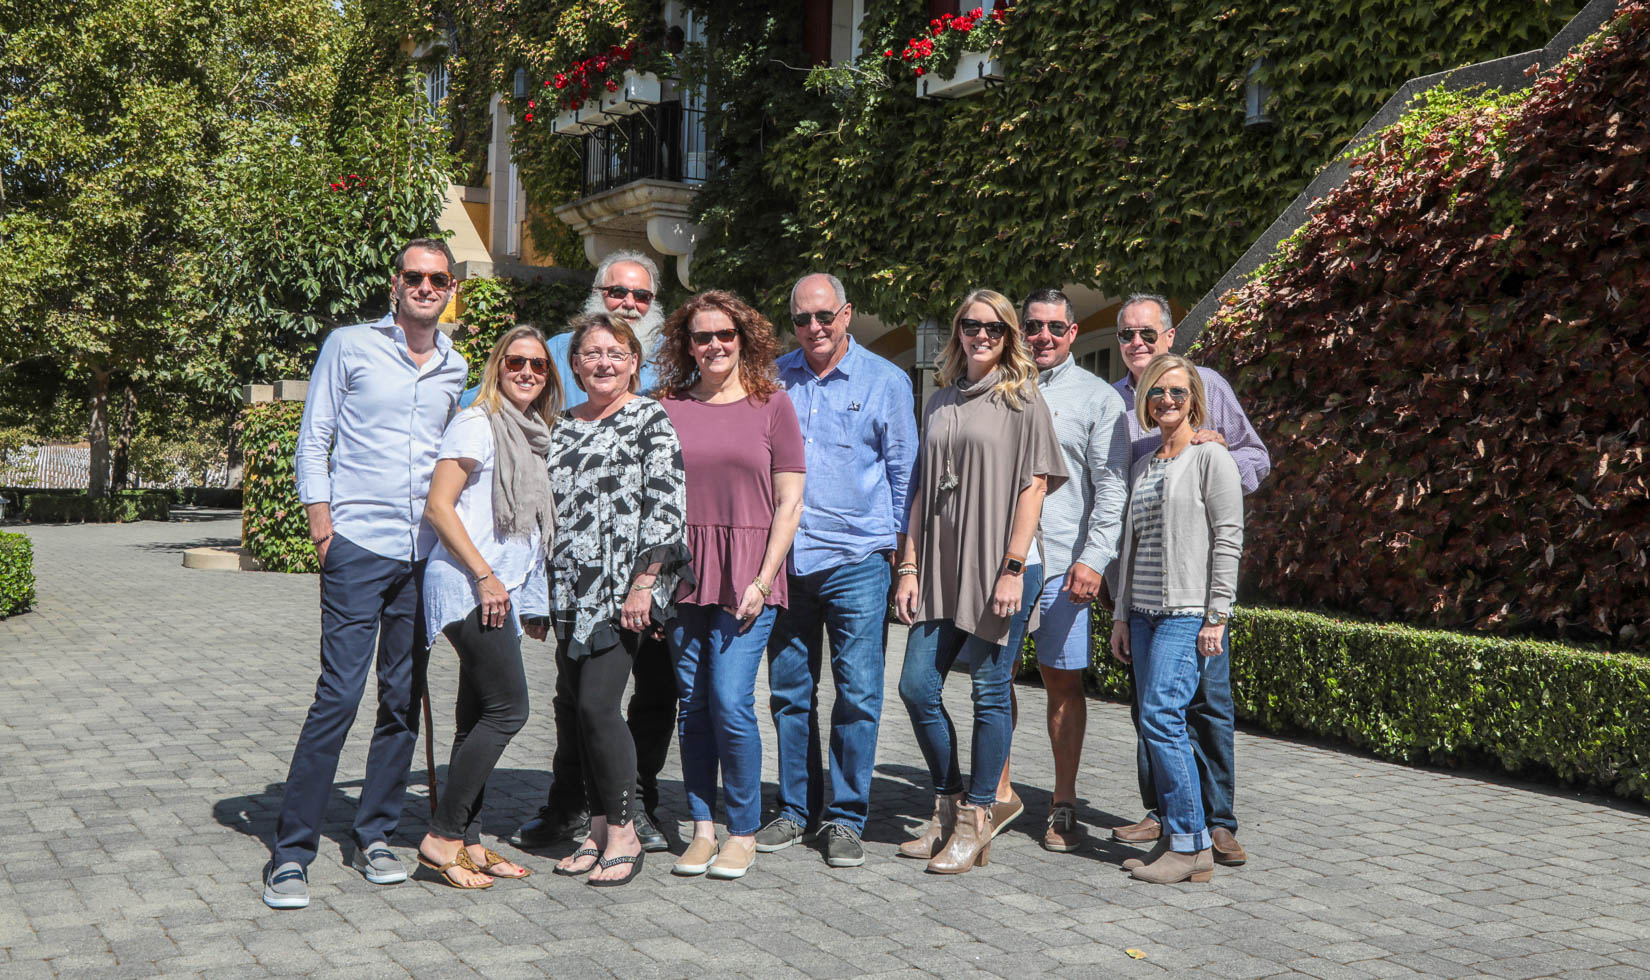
{"x": 859, "y": 429}
{"x": 378, "y": 400}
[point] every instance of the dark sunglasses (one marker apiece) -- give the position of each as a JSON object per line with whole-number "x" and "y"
{"x": 1177, "y": 393}
{"x": 703, "y": 337}
{"x": 822, "y": 317}
{"x": 643, "y": 296}
{"x": 994, "y": 329}
{"x": 1127, "y": 336}
{"x": 1058, "y": 328}
{"x": 414, "y": 278}
{"x": 516, "y": 362}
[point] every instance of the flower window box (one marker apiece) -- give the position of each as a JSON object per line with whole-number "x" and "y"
{"x": 636, "y": 91}
{"x": 577, "y": 122}
{"x": 976, "y": 71}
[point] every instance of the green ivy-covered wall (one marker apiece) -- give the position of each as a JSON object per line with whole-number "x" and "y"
{"x": 1114, "y": 155}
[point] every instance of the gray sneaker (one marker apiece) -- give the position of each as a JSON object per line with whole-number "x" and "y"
{"x": 780, "y": 833}
{"x": 842, "y": 847}
{"x": 378, "y": 864}
{"x": 286, "y": 887}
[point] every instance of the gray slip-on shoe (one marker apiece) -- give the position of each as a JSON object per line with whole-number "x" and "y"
{"x": 378, "y": 864}
{"x": 286, "y": 887}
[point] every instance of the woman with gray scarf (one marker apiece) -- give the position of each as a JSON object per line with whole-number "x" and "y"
{"x": 491, "y": 505}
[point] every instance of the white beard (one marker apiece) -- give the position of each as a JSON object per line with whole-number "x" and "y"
{"x": 648, "y": 326}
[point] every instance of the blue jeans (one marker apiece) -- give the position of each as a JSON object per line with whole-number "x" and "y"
{"x": 369, "y": 611}
{"x": 1167, "y": 668}
{"x": 1211, "y": 722}
{"x": 933, "y": 646}
{"x": 851, "y": 601}
{"x": 716, "y": 677}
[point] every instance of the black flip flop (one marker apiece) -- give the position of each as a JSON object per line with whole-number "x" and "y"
{"x": 635, "y": 862}
{"x": 568, "y": 873}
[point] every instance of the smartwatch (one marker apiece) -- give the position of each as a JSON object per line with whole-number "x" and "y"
{"x": 1014, "y": 564}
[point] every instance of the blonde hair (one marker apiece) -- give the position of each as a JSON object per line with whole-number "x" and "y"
{"x": 491, "y": 399}
{"x": 1160, "y": 365}
{"x": 1019, "y": 370}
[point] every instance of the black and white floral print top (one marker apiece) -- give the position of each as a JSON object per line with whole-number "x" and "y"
{"x": 621, "y": 503}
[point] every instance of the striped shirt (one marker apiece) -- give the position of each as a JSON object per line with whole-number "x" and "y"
{"x": 1146, "y": 520}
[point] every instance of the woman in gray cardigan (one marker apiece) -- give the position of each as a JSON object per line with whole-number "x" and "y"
{"x": 1182, "y": 536}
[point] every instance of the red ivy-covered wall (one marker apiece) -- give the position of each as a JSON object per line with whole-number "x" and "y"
{"x": 1451, "y": 366}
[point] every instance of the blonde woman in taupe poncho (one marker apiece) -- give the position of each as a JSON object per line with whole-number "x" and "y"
{"x": 988, "y": 451}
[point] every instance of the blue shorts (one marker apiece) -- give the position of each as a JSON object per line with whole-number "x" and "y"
{"x": 1062, "y": 636}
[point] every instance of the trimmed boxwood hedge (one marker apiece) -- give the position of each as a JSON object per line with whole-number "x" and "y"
{"x": 127, "y": 505}
{"x": 16, "y": 573}
{"x": 1429, "y": 696}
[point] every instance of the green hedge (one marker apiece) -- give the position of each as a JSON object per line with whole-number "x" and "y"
{"x": 120, "y": 507}
{"x": 16, "y": 573}
{"x": 273, "y": 526}
{"x": 1428, "y": 696}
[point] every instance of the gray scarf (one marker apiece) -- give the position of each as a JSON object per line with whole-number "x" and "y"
{"x": 522, "y": 499}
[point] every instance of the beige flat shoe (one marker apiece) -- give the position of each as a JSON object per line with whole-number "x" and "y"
{"x": 696, "y": 858}
{"x": 734, "y": 860}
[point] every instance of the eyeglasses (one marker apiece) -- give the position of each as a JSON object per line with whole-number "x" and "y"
{"x": 517, "y": 362}
{"x": 414, "y": 278}
{"x": 822, "y": 317}
{"x": 1127, "y": 336}
{"x": 594, "y": 356}
{"x": 995, "y": 329}
{"x": 1058, "y": 328}
{"x": 1175, "y": 394}
{"x": 703, "y": 337}
{"x": 643, "y": 296}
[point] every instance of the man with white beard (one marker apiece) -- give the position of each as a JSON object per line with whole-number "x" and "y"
{"x": 625, "y": 285}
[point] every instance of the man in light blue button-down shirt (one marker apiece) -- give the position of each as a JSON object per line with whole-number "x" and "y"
{"x": 378, "y": 400}
{"x": 858, "y": 429}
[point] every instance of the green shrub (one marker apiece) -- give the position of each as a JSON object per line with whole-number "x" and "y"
{"x": 120, "y": 507}
{"x": 273, "y": 526}
{"x": 16, "y": 573}
{"x": 1427, "y": 696}
{"x": 1448, "y": 362}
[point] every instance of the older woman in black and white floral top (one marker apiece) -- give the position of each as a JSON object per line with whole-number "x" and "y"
{"x": 616, "y": 468}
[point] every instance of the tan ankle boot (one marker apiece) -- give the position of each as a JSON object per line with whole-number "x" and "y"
{"x": 1174, "y": 867}
{"x": 969, "y": 844}
{"x": 927, "y": 844}
{"x": 1158, "y": 850}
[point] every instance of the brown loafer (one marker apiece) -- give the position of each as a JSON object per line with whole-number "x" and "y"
{"x": 1226, "y": 847}
{"x": 1143, "y": 832}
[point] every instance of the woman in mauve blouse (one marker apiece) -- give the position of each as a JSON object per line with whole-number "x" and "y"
{"x": 742, "y": 454}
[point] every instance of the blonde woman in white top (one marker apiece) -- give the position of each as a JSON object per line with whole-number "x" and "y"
{"x": 491, "y": 505}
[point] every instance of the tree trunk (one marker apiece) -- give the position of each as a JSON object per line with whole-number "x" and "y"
{"x": 123, "y": 444}
{"x": 97, "y": 482}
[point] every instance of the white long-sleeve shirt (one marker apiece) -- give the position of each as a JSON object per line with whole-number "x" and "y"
{"x": 372, "y": 424}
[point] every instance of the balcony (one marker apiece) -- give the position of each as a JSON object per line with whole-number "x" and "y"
{"x": 638, "y": 174}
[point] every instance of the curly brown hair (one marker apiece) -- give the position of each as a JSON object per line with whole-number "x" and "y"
{"x": 758, "y": 346}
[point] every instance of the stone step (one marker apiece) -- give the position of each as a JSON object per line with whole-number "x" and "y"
{"x": 221, "y": 560}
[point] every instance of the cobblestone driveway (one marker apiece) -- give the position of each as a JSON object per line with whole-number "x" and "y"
{"x": 148, "y": 712}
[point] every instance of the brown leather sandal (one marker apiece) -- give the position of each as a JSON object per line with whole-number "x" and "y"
{"x": 462, "y": 860}
{"x": 494, "y": 859}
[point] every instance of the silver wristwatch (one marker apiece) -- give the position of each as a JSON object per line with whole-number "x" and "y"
{"x": 1213, "y": 618}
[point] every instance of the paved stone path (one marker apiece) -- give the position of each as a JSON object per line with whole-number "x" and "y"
{"x": 148, "y": 712}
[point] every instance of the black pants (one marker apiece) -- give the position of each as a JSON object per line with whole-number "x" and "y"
{"x": 607, "y": 753}
{"x": 492, "y": 707}
{"x": 652, "y": 723}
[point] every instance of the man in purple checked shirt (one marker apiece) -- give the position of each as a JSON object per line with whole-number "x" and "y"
{"x": 1145, "y": 329}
